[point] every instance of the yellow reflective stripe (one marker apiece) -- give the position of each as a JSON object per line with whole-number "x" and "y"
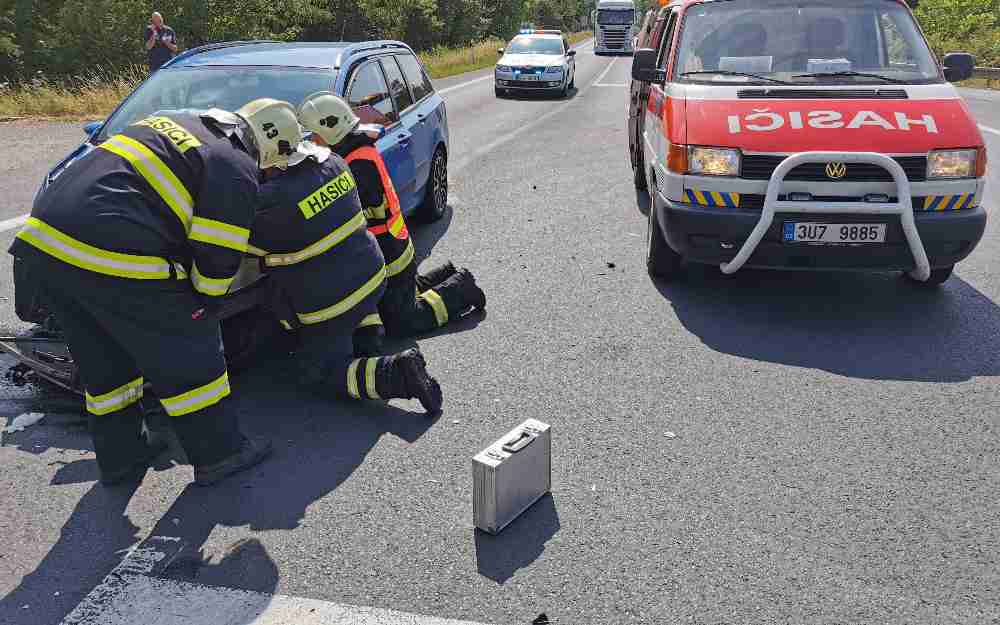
{"x": 736, "y": 199}
{"x": 286, "y": 325}
{"x": 437, "y": 304}
{"x": 347, "y": 303}
{"x": 77, "y": 253}
{"x": 396, "y": 225}
{"x": 199, "y": 398}
{"x": 370, "y": 378}
{"x": 256, "y": 251}
{"x": 927, "y": 202}
{"x": 718, "y": 199}
{"x": 118, "y": 399}
{"x": 371, "y": 320}
{"x": 701, "y": 198}
{"x": 319, "y": 247}
{"x": 209, "y": 286}
{"x": 181, "y": 272}
{"x": 377, "y": 212}
{"x": 397, "y": 266}
{"x": 352, "y": 380}
{"x": 157, "y": 174}
{"x": 219, "y": 233}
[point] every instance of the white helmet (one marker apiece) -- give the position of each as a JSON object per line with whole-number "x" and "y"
{"x": 275, "y": 130}
{"x": 328, "y": 116}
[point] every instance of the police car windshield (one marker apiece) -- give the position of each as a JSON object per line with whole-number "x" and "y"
{"x": 227, "y": 88}
{"x": 814, "y": 42}
{"x": 535, "y": 45}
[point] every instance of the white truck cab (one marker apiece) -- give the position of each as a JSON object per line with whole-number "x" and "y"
{"x": 614, "y": 27}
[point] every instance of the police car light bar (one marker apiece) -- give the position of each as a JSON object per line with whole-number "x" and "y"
{"x": 532, "y": 31}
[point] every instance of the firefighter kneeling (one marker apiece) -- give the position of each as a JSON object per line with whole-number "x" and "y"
{"x": 412, "y": 303}
{"x": 131, "y": 245}
{"x": 328, "y": 275}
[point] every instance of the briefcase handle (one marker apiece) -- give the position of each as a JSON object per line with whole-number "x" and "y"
{"x": 517, "y": 444}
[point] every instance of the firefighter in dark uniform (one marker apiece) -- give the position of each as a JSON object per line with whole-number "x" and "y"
{"x": 412, "y": 303}
{"x": 327, "y": 275}
{"x": 132, "y": 244}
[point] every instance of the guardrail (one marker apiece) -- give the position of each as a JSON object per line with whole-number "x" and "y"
{"x": 989, "y": 74}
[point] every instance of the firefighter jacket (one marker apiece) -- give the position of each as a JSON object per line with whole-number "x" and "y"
{"x": 169, "y": 197}
{"x": 379, "y": 200}
{"x": 310, "y": 230}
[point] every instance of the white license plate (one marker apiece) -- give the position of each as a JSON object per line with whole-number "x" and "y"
{"x": 528, "y": 77}
{"x": 802, "y": 232}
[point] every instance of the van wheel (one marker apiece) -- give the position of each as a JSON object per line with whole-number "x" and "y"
{"x": 938, "y": 277}
{"x": 436, "y": 199}
{"x": 661, "y": 261}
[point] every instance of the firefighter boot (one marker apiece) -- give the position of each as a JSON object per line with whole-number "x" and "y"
{"x": 404, "y": 376}
{"x": 435, "y": 276}
{"x": 122, "y": 452}
{"x": 459, "y": 293}
{"x": 215, "y": 446}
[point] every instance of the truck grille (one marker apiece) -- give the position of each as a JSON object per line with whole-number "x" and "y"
{"x": 762, "y": 166}
{"x": 614, "y": 39}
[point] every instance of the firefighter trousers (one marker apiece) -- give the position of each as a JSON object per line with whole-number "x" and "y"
{"x": 123, "y": 333}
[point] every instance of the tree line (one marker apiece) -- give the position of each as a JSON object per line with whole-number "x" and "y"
{"x": 63, "y": 38}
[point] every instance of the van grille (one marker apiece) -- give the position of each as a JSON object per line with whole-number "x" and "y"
{"x": 755, "y": 202}
{"x": 823, "y": 94}
{"x": 762, "y": 166}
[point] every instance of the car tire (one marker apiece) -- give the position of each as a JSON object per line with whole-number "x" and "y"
{"x": 661, "y": 261}
{"x": 938, "y": 277}
{"x": 498, "y": 92}
{"x": 436, "y": 199}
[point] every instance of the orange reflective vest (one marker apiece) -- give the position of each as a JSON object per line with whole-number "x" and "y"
{"x": 394, "y": 224}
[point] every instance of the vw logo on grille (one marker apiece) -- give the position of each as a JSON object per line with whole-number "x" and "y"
{"x": 836, "y": 171}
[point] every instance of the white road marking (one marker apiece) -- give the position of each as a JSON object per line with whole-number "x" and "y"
{"x": 607, "y": 69}
{"x": 616, "y": 84}
{"x": 490, "y": 77}
{"x": 130, "y": 595}
{"x": 990, "y": 130}
{"x": 13, "y": 222}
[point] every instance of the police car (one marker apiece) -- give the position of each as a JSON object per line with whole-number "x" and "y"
{"x": 536, "y": 60}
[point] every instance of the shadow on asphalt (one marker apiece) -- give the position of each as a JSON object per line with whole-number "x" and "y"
{"x": 426, "y": 236}
{"x": 318, "y": 445}
{"x": 535, "y": 97}
{"x": 519, "y": 544}
{"x": 868, "y": 326}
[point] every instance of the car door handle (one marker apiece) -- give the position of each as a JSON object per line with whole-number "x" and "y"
{"x": 421, "y": 117}
{"x": 405, "y": 139}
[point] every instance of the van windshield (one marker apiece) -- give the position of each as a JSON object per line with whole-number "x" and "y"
{"x": 812, "y": 42}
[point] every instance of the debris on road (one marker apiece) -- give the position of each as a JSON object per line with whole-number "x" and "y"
{"x": 541, "y": 619}
{"x": 23, "y": 421}
{"x": 670, "y": 435}
{"x": 611, "y": 265}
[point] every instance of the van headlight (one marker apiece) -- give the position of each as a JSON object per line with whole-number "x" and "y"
{"x": 951, "y": 164}
{"x": 713, "y": 161}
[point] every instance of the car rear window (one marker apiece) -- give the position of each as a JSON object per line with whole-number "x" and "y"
{"x": 397, "y": 86}
{"x": 415, "y": 75}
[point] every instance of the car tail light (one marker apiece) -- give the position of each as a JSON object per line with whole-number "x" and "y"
{"x": 981, "y": 160}
{"x": 677, "y": 159}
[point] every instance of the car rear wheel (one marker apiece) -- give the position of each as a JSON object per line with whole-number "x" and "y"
{"x": 938, "y": 277}
{"x": 661, "y": 261}
{"x": 436, "y": 199}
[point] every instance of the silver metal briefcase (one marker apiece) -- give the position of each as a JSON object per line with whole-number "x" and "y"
{"x": 510, "y": 475}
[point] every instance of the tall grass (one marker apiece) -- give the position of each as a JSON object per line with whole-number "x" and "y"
{"x": 92, "y": 95}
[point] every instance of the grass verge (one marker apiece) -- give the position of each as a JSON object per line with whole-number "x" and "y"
{"x": 95, "y": 95}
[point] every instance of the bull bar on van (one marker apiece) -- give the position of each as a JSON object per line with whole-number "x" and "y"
{"x": 903, "y": 206}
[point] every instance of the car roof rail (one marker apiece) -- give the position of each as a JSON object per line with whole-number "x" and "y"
{"x": 217, "y": 46}
{"x": 369, "y": 46}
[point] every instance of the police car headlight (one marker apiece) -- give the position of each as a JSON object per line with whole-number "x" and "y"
{"x": 951, "y": 164}
{"x": 713, "y": 161}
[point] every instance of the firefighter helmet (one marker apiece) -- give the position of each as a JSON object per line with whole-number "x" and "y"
{"x": 275, "y": 130}
{"x": 328, "y": 116}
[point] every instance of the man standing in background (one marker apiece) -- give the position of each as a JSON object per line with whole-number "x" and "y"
{"x": 161, "y": 42}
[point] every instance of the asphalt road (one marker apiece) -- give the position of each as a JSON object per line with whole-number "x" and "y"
{"x": 770, "y": 448}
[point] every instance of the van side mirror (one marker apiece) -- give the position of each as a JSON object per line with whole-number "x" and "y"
{"x": 500, "y": 51}
{"x": 644, "y": 67}
{"x": 958, "y": 66}
{"x": 91, "y": 127}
